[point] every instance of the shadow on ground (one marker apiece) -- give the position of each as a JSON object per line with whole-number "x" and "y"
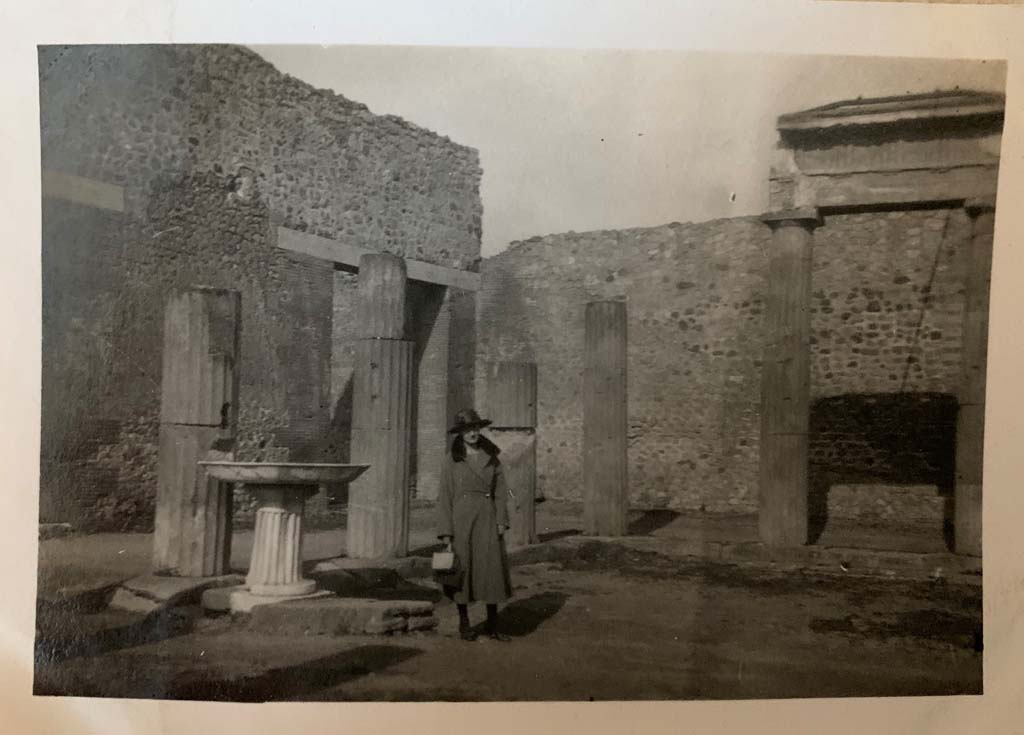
{"x": 650, "y": 521}
{"x": 523, "y": 617}
{"x": 555, "y": 535}
{"x": 300, "y": 681}
{"x": 961, "y": 631}
{"x": 60, "y": 633}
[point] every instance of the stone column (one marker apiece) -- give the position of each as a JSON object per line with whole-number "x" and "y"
{"x": 511, "y": 404}
{"x": 198, "y": 421}
{"x": 786, "y": 381}
{"x": 431, "y": 324}
{"x": 276, "y": 565}
{"x": 378, "y": 509}
{"x": 970, "y": 428}
{"x": 605, "y": 421}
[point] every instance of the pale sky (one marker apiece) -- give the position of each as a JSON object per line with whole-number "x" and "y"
{"x": 589, "y": 140}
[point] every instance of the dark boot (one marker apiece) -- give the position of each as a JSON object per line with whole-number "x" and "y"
{"x": 492, "y": 624}
{"x": 465, "y": 632}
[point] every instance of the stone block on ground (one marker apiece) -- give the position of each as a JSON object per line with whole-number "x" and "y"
{"x": 130, "y": 602}
{"x": 421, "y": 623}
{"x": 408, "y": 567}
{"x": 151, "y": 592}
{"x": 340, "y": 616}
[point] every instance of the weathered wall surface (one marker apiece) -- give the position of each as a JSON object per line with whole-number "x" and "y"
{"x": 322, "y": 163}
{"x": 886, "y": 313}
{"x": 215, "y": 149}
{"x": 694, "y": 331}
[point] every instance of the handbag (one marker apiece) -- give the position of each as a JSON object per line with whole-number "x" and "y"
{"x": 447, "y": 569}
{"x": 443, "y": 561}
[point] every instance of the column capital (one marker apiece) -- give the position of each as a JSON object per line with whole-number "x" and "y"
{"x": 980, "y": 205}
{"x": 806, "y": 217}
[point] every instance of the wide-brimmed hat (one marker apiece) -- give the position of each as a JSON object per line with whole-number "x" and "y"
{"x": 466, "y": 420}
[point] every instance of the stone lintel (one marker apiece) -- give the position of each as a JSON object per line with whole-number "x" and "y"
{"x": 81, "y": 190}
{"x": 348, "y": 256}
{"x": 803, "y": 217}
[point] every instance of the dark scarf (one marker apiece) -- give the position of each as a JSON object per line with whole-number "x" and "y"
{"x": 485, "y": 444}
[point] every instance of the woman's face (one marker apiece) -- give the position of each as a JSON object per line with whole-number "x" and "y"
{"x": 471, "y": 437}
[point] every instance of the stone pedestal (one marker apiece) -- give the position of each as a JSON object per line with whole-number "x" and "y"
{"x": 605, "y": 421}
{"x": 199, "y": 400}
{"x": 970, "y": 428}
{"x": 378, "y": 508}
{"x": 785, "y": 386}
{"x": 276, "y": 565}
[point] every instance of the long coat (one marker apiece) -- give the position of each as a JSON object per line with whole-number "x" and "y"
{"x": 470, "y": 507}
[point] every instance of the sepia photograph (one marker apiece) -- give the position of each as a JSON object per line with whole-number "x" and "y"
{"x": 389, "y": 373}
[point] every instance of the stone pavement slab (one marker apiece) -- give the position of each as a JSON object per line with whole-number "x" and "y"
{"x": 343, "y": 616}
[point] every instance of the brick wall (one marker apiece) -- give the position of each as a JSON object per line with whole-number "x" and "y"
{"x": 215, "y": 149}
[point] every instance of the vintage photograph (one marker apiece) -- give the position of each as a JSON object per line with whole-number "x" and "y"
{"x": 452, "y": 374}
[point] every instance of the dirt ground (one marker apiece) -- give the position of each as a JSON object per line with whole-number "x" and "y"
{"x": 604, "y": 622}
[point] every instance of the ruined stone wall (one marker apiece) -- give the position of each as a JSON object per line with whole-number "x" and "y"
{"x": 886, "y": 314}
{"x": 694, "y": 310}
{"x": 215, "y": 149}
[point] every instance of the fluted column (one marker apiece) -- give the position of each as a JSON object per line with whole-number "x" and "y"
{"x": 786, "y": 380}
{"x": 605, "y": 420}
{"x": 198, "y": 421}
{"x": 970, "y": 428}
{"x": 378, "y": 513}
{"x": 511, "y": 405}
{"x": 275, "y": 568}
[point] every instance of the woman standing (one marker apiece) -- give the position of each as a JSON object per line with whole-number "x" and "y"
{"x": 472, "y": 517}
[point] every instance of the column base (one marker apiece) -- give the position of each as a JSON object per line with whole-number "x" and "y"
{"x": 239, "y": 600}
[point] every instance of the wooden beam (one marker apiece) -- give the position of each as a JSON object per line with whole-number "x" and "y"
{"x": 78, "y": 189}
{"x": 349, "y": 255}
